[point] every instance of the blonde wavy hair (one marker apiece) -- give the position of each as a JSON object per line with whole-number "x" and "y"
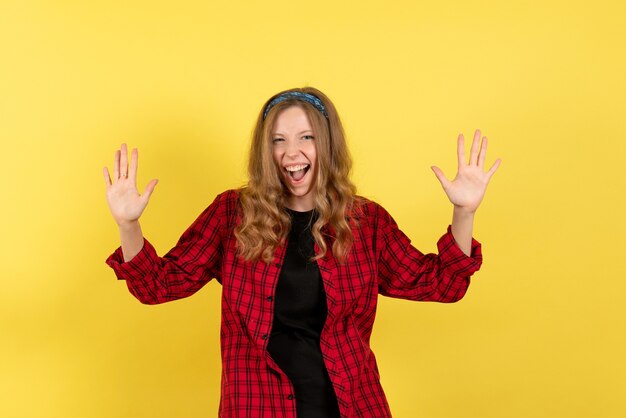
{"x": 264, "y": 222}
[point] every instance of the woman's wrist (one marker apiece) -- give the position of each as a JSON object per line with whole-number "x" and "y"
{"x": 128, "y": 225}
{"x": 462, "y": 225}
{"x": 464, "y": 212}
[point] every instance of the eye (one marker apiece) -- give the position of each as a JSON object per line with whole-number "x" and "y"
{"x": 277, "y": 140}
{"x": 308, "y": 136}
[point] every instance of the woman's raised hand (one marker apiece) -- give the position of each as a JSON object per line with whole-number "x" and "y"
{"x": 125, "y": 202}
{"x": 467, "y": 189}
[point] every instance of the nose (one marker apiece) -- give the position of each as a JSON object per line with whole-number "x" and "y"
{"x": 293, "y": 148}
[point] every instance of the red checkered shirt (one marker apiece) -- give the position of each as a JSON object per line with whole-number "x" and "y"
{"x": 382, "y": 261}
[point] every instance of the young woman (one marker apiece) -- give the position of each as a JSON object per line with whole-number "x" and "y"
{"x": 301, "y": 259}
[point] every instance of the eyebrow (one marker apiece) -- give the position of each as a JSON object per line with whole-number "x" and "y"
{"x": 279, "y": 133}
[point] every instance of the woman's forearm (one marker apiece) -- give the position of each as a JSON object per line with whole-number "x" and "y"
{"x": 462, "y": 224}
{"x": 132, "y": 239}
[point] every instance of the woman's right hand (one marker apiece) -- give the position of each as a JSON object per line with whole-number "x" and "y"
{"x": 125, "y": 202}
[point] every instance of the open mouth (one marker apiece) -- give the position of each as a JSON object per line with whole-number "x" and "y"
{"x": 297, "y": 172}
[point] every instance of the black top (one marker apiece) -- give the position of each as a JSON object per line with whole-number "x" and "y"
{"x": 299, "y": 316}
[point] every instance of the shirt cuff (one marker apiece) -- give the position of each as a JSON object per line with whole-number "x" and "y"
{"x": 137, "y": 267}
{"x": 454, "y": 259}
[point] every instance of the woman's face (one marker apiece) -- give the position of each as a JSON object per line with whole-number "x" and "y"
{"x": 295, "y": 156}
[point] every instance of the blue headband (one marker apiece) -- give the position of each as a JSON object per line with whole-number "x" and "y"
{"x": 305, "y": 97}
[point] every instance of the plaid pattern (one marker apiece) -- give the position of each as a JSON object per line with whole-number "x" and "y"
{"x": 382, "y": 261}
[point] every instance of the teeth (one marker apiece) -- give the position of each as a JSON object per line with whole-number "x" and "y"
{"x": 296, "y": 167}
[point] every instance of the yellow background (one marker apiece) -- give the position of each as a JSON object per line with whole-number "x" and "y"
{"x": 541, "y": 331}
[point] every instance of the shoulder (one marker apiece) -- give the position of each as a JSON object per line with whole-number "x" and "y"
{"x": 367, "y": 209}
{"x": 226, "y": 204}
{"x": 222, "y": 207}
{"x": 228, "y": 198}
{"x": 369, "y": 214}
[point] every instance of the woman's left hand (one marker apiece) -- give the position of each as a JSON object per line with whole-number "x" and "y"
{"x": 467, "y": 189}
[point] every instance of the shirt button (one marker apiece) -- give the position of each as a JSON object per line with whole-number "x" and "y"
{"x": 264, "y": 336}
{"x": 269, "y": 298}
{"x": 290, "y": 397}
{"x": 277, "y": 265}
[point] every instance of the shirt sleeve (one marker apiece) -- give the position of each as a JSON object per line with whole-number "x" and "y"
{"x": 406, "y": 273}
{"x": 193, "y": 262}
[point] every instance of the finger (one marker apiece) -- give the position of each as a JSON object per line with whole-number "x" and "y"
{"x": 132, "y": 174}
{"x": 440, "y": 176}
{"x": 461, "y": 150}
{"x": 116, "y": 166}
{"x": 493, "y": 168}
{"x": 475, "y": 145}
{"x": 107, "y": 178}
{"x": 483, "y": 153}
{"x": 149, "y": 189}
{"x": 124, "y": 162}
